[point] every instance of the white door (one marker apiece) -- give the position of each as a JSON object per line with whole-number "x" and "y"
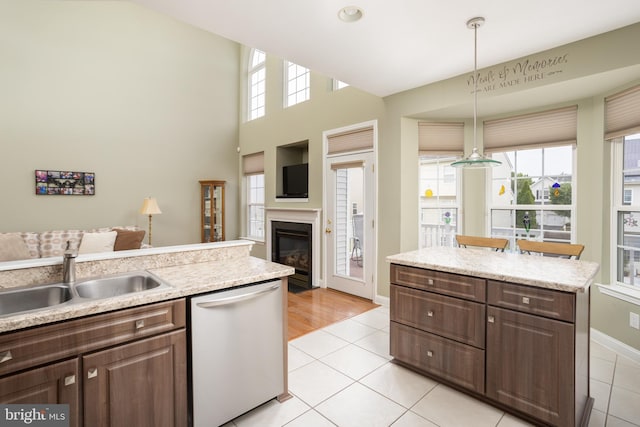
{"x": 349, "y": 223}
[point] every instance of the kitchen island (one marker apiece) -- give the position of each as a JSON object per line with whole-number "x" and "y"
{"x": 509, "y": 329}
{"x": 125, "y": 360}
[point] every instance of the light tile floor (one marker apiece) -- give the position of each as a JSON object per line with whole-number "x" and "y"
{"x": 341, "y": 376}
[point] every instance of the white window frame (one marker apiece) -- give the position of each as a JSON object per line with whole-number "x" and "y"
{"x": 297, "y": 84}
{"x": 619, "y": 207}
{"x": 253, "y": 205}
{"x": 256, "y": 90}
{"x": 339, "y": 84}
{"x": 438, "y": 236}
{"x": 513, "y": 236}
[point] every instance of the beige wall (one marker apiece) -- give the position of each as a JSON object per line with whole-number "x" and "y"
{"x": 306, "y": 121}
{"x": 147, "y": 103}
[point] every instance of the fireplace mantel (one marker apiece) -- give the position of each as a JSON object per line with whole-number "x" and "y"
{"x": 303, "y": 215}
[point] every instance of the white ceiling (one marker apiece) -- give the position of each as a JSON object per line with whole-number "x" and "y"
{"x": 401, "y": 44}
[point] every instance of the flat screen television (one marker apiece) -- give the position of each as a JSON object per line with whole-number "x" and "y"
{"x": 295, "y": 181}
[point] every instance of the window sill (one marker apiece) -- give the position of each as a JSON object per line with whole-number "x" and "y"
{"x": 621, "y": 292}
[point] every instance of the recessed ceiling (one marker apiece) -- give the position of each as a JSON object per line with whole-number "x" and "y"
{"x": 401, "y": 45}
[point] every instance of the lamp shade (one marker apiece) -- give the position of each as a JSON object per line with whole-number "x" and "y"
{"x": 150, "y": 207}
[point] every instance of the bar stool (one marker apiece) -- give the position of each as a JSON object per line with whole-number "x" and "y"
{"x": 484, "y": 242}
{"x": 566, "y": 250}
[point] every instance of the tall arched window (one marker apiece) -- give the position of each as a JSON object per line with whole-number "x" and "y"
{"x": 256, "y": 81}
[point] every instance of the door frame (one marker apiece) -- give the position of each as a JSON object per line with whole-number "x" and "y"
{"x": 371, "y": 273}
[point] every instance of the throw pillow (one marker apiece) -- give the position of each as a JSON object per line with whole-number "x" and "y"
{"x": 128, "y": 239}
{"x": 13, "y": 247}
{"x": 97, "y": 242}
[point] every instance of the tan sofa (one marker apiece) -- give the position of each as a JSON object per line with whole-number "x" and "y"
{"x": 25, "y": 245}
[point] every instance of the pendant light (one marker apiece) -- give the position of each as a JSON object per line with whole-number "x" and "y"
{"x": 475, "y": 159}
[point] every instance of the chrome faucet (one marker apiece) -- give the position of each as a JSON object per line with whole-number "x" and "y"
{"x": 69, "y": 265}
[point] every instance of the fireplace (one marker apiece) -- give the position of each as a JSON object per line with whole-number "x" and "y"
{"x": 291, "y": 244}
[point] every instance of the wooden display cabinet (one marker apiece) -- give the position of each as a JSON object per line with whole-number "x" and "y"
{"x": 212, "y": 211}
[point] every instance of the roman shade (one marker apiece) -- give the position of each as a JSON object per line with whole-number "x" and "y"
{"x": 440, "y": 138}
{"x": 356, "y": 140}
{"x": 347, "y": 165}
{"x": 548, "y": 128}
{"x": 253, "y": 164}
{"x": 622, "y": 113}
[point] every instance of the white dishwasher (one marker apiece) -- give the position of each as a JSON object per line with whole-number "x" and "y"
{"x": 237, "y": 351}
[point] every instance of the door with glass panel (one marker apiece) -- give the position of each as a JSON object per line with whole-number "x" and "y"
{"x": 349, "y": 226}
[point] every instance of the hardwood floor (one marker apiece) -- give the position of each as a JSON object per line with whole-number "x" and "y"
{"x": 320, "y": 307}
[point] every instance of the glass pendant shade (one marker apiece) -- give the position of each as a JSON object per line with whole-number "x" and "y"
{"x": 475, "y": 160}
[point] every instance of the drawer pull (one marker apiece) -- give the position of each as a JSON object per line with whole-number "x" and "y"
{"x": 430, "y": 313}
{"x": 429, "y": 353}
{"x": 430, "y": 282}
{"x": 69, "y": 380}
{"x": 491, "y": 319}
{"x": 5, "y": 356}
{"x": 525, "y": 300}
{"x": 92, "y": 373}
{"x": 139, "y": 324}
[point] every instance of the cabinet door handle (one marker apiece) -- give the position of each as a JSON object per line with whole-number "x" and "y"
{"x": 491, "y": 319}
{"x": 525, "y": 300}
{"x": 429, "y": 353}
{"x": 5, "y": 356}
{"x": 139, "y": 324}
{"x": 429, "y": 313}
{"x": 69, "y": 380}
{"x": 92, "y": 373}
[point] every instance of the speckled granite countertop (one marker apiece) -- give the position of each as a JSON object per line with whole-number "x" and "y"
{"x": 185, "y": 280}
{"x": 545, "y": 272}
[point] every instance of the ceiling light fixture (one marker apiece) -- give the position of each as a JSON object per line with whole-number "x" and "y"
{"x": 350, "y": 14}
{"x": 475, "y": 159}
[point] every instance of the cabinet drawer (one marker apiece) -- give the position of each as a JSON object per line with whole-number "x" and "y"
{"x": 457, "y": 363}
{"x": 455, "y": 285}
{"x": 32, "y": 347}
{"x": 452, "y": 318}
{"x": 529, "y": 299}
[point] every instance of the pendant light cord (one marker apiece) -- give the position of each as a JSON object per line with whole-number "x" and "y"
{"x": 475, "y": 86}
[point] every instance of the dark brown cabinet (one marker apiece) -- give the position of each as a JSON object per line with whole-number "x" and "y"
{"x": 530, "y": 364}
{"x": 56, "y": 383}
{"x": 126, "y": 367}
{"x": 139, "y": 384}
{"x": 522, "y": 348}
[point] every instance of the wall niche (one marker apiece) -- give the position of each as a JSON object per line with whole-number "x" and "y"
{"x": 292, "y": 175}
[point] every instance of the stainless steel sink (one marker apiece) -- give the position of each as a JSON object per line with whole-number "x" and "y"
{"x": 18, "y": 300}
{"x": 26, "y": 299}
{"x": 106, "y": 287}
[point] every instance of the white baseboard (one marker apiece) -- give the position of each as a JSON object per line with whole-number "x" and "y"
{"x": 383, "y": 301}
{"x": 615, "y": 345}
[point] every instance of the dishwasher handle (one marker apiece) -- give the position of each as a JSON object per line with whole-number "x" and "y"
{"x": 236, "y": 298}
